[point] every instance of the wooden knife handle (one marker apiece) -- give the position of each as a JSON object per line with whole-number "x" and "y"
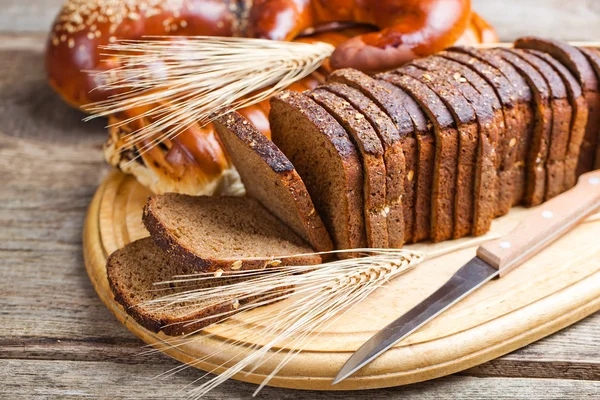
{"x": 546, "y": 223}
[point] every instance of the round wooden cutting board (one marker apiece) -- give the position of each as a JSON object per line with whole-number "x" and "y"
{"x": 556, "y": 288}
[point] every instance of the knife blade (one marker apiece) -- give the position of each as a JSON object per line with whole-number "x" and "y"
{"x": 494, "y": 259}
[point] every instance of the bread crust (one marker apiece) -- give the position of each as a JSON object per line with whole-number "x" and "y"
{"x": 350, "y": 232}
{"x": 370, "y": 148}
{"x": 235, "y": 128}
{"x": 393, "y": 157}
{"x": 594, "y": 58}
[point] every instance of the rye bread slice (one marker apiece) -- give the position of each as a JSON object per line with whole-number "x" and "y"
{"x": 579, "y": 65}
{"x": 271, "y": 178}
{"x": 393, "y": 156}
{"x": 579, "y": 117}
{"x": 215, "y": 233}
{"x": 444, "y": 173}
{"x": 370, "y": 149}
{"x": 562, "y": 114}
{"x": 593, "y": 57}
{"x": 433, "y": 74}
{"x": 520, "y": 122}
{"x": 385, "y": 96}
{"x": 329, "y": 164}
{"x": 539, "y": 145}
{"x": 486, "y": 164}
{"x": 132, "y": 272}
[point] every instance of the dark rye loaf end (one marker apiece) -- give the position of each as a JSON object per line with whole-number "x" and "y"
{"x": 444, "y": 172}
{"x": 222, "y": 233}
{"x": 271, "y": 178}
{"x": 385, "y": 98}
{"x": 132, "y": 273}
{"x": 370, "y": 149}
{"x": 579, "y": 65}
{"x": 538, "y": 146}
{"x": 517, "y": 97}
{"x": 579, "y": 117}
{"x": 393, "y": 156}
{"x": 433, "y": 74}
{"x": 327, "y": 161}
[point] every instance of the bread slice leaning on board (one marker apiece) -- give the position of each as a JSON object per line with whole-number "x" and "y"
{"x": 433, "y": 150}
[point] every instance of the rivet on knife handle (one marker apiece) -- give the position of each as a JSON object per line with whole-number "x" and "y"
{"x": 547, "y": 223}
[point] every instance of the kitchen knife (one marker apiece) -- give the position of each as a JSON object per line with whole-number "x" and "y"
{"x": 494, "y": 259}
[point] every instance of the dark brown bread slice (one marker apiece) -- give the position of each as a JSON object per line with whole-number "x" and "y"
{"x": 496, "y": 89}
{"x": 483, "y": 159}
{"x": 327, "y": 161}
{"x": 393, "y": 156}
{"x": 579, "y": 65}
{"x": 593, "y": 57}
{"x": 271, "y": 178}
{"x": 386, "y": 98}
{"x": 132, "y": 272}
{"x": 213, "y": 233}
{"x": 561, "y": 123}
{"x": 444, "y": 177}
{"x": 519, "y": 125}
{"x": 538, "y": 146}
{"x": 433, "y": 73}
{"x": 578, "y": 120}
{"x": 369, "y": 146}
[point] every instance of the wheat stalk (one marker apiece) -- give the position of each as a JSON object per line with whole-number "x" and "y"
{"x": 321, "y": 295}
{"x": 176, "y": 83}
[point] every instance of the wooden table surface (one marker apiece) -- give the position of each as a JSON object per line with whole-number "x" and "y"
{"x": 57, "y": 340}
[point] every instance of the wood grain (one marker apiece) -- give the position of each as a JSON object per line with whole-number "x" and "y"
{"x": 57, "y": 340}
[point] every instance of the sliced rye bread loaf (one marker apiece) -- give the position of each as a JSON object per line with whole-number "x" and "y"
{"x": 538, "y": 146}
{"x": 593, "y": 57}
{"x": 517, "y": 104}
{"x": 386, "y": 100}
{"x": 490, "y": 121}
{"x": 562, "y": 114}
{"x": 578, "y": 120}
{"x": 434, "y": 74}
{"x": 579, "y": 65}
{"x": 216, "y": 233}
{"x": 369, "y": 147}
{"x": 560, "y": 123}
{"x": 393, "y": 156}
{"x": 329, "y": 164}
{"x": 444, "y": 172}
{"x": 132, "y": 272}
{"x": 271, "y": 178}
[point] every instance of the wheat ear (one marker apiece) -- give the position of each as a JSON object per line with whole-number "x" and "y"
{"x": 176, "y": 83}
{"x": 321, "y": 295}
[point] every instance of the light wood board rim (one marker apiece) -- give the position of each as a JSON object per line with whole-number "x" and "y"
{"x": 315, "y": 369}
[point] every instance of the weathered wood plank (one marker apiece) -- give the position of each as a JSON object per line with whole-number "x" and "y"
{"x": 68, "y": 379}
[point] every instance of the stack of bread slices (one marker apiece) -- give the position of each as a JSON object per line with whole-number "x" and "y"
{"x": 433, "y": 150}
